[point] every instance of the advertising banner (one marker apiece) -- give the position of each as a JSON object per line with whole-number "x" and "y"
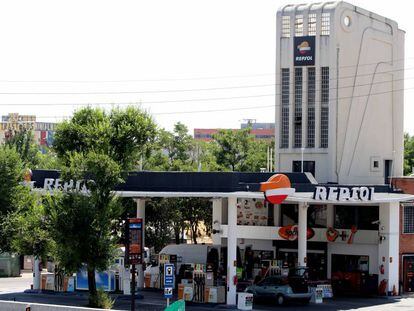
{"x": 304, "y": 51}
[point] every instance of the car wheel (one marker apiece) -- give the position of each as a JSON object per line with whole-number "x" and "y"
{"x": 280, "y": 300}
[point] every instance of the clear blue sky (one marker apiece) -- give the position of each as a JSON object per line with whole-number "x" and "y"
{"x": 171, "y": 45}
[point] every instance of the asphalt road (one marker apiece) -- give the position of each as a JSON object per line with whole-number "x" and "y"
{"x": 13, "y": 289}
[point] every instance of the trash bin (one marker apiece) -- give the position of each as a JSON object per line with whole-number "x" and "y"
{"x": 317, "y": 295}
{"x": 245, "y": 301}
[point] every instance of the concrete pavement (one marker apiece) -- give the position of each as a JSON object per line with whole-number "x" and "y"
{"x": 12, "y": 289}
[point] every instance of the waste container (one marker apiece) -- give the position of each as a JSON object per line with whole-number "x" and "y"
{"x": 245, "y": 301}
{"x": 317, "y": 295}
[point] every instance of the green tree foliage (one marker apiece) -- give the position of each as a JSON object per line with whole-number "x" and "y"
{"x": 11, "y": 175}
{"x": 27, "y": 226}
{"x": 23, "y": 142}
{"x": 82, "y": 225}
{"x": 124, "y": 135}
{"x": 239, "y": 151}
{"x": 408, "y": 154}
{"x": 101, "y": 148}
{"x": 174, "y": 151}
{"x": 196, "y": 211}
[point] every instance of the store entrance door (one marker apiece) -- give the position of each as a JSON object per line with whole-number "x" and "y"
{"x": 408, "y": 273}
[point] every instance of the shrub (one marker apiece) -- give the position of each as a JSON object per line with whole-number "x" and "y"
{"x": 101, "y": 300}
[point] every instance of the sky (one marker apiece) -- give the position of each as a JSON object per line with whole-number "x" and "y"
{"x": 205, "y": 63}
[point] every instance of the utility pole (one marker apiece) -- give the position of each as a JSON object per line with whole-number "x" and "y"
{"x": 133, "y": 288}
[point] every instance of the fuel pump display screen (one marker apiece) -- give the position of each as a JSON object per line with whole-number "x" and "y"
{"x": 134, "y": 240}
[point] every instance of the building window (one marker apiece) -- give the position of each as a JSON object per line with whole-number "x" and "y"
{"x": 326, "y": 24}
{"x": 324, "y": 106}
{"x": 286, "y": 26}
{"x": 299, "y": 26}
{"x": 298, "y": 109}
{"x": 284, "y": 140}
{"x": 408, "y": 219}
{"x": 289, "y": 214}
{"x": 362, "y": 217}
{"x": 311, "y": 107}
{"x": 317, "y": 216}
{"x": 312, "y": 25}
{"x": 308, "y": 167}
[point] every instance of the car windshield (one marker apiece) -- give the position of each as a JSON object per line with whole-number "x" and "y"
{"x": 272, "y": 281}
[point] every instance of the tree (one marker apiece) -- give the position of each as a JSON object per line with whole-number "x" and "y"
{"x": 174, "y": 151}
{"x": 158, "y": 228}
{"x": 408, "y": 154}
{"x": 257, "y": 155}
{"x": 11, "y": 175}
{"x": 82, "y": 225}
{"x": 197, "y": 211}
{"x": 101, "y": 148}
{"x": 23, "y": 142}
{"x": 27, "y": 227}
{"x": 232, "y": 148}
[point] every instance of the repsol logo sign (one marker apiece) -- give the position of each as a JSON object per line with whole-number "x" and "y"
{"x": 303, "y": 58}
{"x": 323, "y": 193}
{"x": 52, "y": 184}
{"x": 304, "y": 51}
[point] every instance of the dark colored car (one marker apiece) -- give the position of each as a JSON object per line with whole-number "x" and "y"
{"x": 281, "y": 289}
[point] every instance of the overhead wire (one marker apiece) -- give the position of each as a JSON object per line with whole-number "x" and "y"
{"x": 200, "y": 89}
{"x": 184, "y": 79}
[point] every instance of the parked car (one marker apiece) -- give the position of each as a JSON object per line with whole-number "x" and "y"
{"x": 280, "y": 290}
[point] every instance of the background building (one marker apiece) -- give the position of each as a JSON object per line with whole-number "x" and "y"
{"x": 339, "y": 86}
{"x": 259, "y": 131}
{"x": 13, "y": 122}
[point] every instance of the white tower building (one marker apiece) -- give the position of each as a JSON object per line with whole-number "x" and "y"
{"x": 339, "y": 93}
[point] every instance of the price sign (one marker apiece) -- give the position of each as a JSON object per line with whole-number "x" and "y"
{"x": 133, "y": 236}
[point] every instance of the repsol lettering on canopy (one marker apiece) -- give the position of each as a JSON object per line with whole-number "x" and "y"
{"x": 343, "y": 193}
{"x": 51, "y": 184}
{"x": 304, "y": 51}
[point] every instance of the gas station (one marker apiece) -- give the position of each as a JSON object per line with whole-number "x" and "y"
{"x": 269, "y": 221}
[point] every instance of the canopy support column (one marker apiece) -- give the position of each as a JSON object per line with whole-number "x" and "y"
{"x": 302, "y": 230}
{"x": 141, "y": 214}
{"x": 232, "y": 251}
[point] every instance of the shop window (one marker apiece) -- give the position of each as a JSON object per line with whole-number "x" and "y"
{"x": 350, "y": 263}
{"x": 408, "y": 219}
{"x": 289, "y": 214}
{"x": 286, "y": 26}
{"x": 363, "y": 217}
{"x": 317, "y": 216}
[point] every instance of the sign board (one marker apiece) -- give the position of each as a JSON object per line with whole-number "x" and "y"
{"x": 133, "y": 236}
{"x": 324, "y": 193}
{"x": 304, "y": 51}
{"x": 169, "y": 275}
{"x": 168, "y": 292}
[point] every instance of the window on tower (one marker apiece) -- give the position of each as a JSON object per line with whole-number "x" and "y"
{"x": 286, "y": 26}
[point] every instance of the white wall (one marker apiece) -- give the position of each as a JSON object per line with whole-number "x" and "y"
{"x": 363, "y": 125}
